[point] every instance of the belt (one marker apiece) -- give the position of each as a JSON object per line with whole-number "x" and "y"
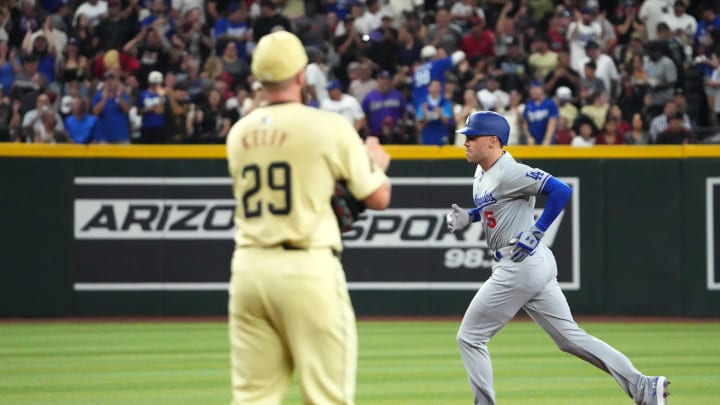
{"x": 501, "y": 253}
{"x": 289, "y": 246}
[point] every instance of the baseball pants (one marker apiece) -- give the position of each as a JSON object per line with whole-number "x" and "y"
{"x": 290, "y": 310}
{"x": 532, "y": 286}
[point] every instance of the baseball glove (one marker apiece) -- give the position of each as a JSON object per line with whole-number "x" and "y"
{"x": 346, "y": 207}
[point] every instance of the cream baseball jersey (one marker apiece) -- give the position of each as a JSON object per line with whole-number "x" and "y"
{"x": 284, "y": 160}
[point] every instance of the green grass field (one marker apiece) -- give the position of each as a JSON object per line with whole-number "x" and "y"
{"x": 400, "y": 363}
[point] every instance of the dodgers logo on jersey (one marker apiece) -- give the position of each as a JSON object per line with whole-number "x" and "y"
{"x": 535, "y": 175}
{"x": 485, "y": 200}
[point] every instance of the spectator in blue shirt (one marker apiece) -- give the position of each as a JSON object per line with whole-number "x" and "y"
{"x": 151, "y": 106}
{"x": 709, "y": 20}
{"x": 539, "y": 117}
{"x": 80, "y": 125}
{"x": 110, "y": 106}
{"x": 8, "y": 65}
{"x": 45, "y": 54}
{"x": 164, "y": 22}
{"x": 235, "y": 28}
{"x": 434, "y": 68}
{"x": 434, "y": 116}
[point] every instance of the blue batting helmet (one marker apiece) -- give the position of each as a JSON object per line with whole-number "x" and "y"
{"x": 487, "y": 123}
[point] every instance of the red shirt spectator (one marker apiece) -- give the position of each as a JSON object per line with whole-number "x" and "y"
{"x": 611, "y": 135}
{"x": 121, "y": 62}
{"x": 479, "y": 41}
{"x": 555, "y": 33}
{"x": 563, "y": 136}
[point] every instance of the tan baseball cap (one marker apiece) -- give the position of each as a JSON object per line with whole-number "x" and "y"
{"x": 278, "y": 56}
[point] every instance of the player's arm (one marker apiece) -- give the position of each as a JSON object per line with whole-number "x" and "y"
{"x": 457, "y": 57}
{"x": 363, "y": 167}
{"x": 558, "y": 194}
{"x": 380, "y": 198}
{"x": 459, "y": 218}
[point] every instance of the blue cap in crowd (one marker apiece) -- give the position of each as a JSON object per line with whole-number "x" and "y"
{"x": 334, "y": 84}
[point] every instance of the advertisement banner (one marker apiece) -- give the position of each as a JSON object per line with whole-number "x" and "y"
{"x": 175, "y": 233}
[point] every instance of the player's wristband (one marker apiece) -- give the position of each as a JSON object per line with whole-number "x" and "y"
{"x": 474, "y": 214}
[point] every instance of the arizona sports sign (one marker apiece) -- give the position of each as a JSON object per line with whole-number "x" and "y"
{"x": 176, "y": 233}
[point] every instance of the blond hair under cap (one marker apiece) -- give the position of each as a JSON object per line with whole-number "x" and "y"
{"x": 278, "y": 56}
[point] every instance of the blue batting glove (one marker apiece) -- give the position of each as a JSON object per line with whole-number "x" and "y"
{"x": 525, "y": 244}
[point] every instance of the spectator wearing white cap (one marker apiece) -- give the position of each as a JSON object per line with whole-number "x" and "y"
{"x": 435, "y": 64}
{"x": 566, "y": 109}
{"x": 151, "y": 106}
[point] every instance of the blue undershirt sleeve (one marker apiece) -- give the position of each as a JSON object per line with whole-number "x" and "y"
{"x": 474, "y": 214}
{"x": 558, "y": 194}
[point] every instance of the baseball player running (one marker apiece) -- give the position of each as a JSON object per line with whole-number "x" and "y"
{"x": 524, "y": 274}
{"x": 289, "y": 307}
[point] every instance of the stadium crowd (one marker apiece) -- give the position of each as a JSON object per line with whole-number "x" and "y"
{"x": 406, "y": 71}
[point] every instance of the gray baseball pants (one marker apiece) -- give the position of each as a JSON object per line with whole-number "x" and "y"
{"x": 532, "y": 285}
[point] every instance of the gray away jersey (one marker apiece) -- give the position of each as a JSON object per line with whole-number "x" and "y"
{"x": 505, "y": 195}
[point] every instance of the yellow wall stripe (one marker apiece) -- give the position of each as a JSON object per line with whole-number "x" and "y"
{"x": 398, "y": 152}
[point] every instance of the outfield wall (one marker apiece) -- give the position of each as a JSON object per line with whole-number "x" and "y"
{"x": 146, "y": 230}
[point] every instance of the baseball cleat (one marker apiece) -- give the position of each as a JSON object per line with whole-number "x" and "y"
{"x": 660, "y": 390}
